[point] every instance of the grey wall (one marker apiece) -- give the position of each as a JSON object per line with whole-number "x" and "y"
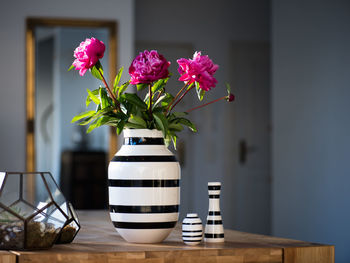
{"x": 311, "y": 123}
{"x": 211, "y": 28}
{"x": 12, "y": 52}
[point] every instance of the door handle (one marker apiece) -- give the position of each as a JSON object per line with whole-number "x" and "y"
{"x": 244, "y": 149}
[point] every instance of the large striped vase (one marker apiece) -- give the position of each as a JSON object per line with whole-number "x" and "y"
{"x": 144, "y": 190}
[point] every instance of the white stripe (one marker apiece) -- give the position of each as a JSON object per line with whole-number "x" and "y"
{"x": 214, "y": 218}
{"x": 192, "y": 227}
{"x": 214, "y": 229}
{"x": 142, "y": 133}
{"x": 161, "y": 217}
{"x": 214, "y": 183}
{"x": 214, "y": 240}
{"x": 130, "y": 150}
{"x": 192, "y": 220}
{"x": 144, "y": 196}
{"x": 144, "y": 170}
{"x": 214, "y": 192}
{"x": 191, "y": 238}
{"x": 188, "y": 234}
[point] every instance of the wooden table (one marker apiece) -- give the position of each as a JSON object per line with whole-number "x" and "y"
{"x": 98, "y": 242}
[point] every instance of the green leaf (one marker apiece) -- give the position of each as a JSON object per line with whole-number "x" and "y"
{"x": 117, "y": 79}
{"x": 159, "y": 100}
{"x": 174, "y": 139}
{"x": 104, "y": 120}
{"x": 71, "y": 67}
{"x": 120, "y": 127}
{"x": 200, "y": 92}
{"x": 135, "y": 100}
{"x": 159, "y": 85}
{"x": 161, "y": 122}
{"x": 137, "y": 120}
{"x": 179, "y": 114}
{"x": 187, "y": 123}
{"x": 97, "y": 70}
{"x": 228, "y": 88}
{"x": 141, "y": 86}
{"x": 93, "y": 97}
{"x": 133, "y": 125}
{"x": 176, "y": 127}
{"x": 82, "y": 115}
{"x": 103, "y": 98}
{"x": 123, "y": 88}
{"x": 87, "y": 121}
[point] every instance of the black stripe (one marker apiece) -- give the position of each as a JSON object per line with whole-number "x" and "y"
{"x": 144, "y": 225}
{"x": 214, "y": 222}
{"x": 143, "y": 183}
{"x": 191, "y": 217}
{"x": 214, "y": 196}
{"x": 144, "y": 158}
{"x": 191, "y": 231}
{"x": 143, "y": 141}
{"x": 193, "y": 240}
{"x": 214, "y": 235}
{"x": 214, "y": 187}
{"x": 191, "y": 223}
{"x": 214, "y": 213}
{"x": 144, "y": 209}
{"x": 191, "y": 236}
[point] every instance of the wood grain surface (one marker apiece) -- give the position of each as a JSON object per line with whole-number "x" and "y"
{"x": 98, "y": 242}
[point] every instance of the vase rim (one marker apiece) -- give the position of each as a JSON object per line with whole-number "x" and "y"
{"x": 142, "y": 133}
{"x": 214, "y": 183}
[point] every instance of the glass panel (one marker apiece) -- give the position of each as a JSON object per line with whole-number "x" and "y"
{"x": 57, "y": 196}
{"x": 10, "y": 192}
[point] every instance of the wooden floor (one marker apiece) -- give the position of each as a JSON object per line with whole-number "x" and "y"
{"x": 98, "y": 242}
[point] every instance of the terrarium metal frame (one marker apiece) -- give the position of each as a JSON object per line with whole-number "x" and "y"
{"x": 36, "y": 210}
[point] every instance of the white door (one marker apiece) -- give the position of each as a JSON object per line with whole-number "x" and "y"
{"x": 249, "y": 173}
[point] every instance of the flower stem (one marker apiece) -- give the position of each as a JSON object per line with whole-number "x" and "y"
{"x": 177, "y": 95}
{"x": 150, "y": 101}
{"x": 201, "y": 106}
{"x": 108, "y": 89}
{"x": 181, "y": 97}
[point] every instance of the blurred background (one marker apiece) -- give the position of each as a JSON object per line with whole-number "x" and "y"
{"x": 281, "y": 150}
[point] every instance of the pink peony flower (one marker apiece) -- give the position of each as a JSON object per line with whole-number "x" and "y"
{"x": 147, "y": 67}
{"x": 87, "y": 54}
{"x": 199, "y": 69}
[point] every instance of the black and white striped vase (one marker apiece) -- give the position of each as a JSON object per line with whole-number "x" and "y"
{"x": 214, "y": 229}
{"x": 192, "y": 229}
{"x": 144, "y": 187}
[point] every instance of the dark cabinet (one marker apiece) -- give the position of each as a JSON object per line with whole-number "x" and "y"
{"x": 84, "y": 178}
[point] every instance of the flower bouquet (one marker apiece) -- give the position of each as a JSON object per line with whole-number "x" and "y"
{"x": 117, "y": 107}
{"x": 144, "y": 176}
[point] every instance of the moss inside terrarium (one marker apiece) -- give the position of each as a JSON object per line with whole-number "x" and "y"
{"x": 67, "y": 234}
{"x": 41, "y": 235}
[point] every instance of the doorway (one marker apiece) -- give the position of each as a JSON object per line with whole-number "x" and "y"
{"x": 250, "y": 130}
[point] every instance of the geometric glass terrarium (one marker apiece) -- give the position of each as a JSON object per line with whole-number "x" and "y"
{"x": 33, "y": 210}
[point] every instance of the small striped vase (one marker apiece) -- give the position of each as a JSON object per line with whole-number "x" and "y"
{"x": 192, "y": 230}
{"x": 214, "y": 229}
{"x": 144, "y": 189}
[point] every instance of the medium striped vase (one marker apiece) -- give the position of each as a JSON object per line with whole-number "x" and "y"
{"x": 214, "y": 229}
{"x": 144, "y": 190}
